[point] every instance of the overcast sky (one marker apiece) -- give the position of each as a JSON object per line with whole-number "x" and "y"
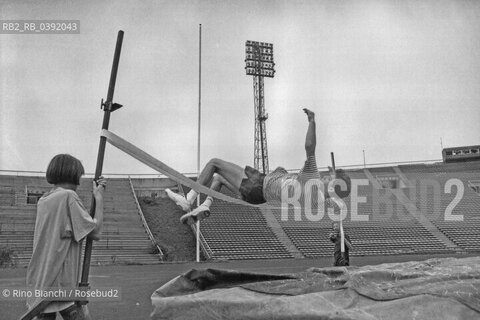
{"x": 388, "y": 77}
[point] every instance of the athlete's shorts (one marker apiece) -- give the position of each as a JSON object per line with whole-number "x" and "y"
{"x": 251, "y": 187}
{"x": 309, "y": 170}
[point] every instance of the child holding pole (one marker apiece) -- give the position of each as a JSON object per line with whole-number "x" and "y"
{"x": 61, "y": 224}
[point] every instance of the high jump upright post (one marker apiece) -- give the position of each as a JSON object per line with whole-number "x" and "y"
{"x": 342, "y": 236}
{"x": 108, "y": 107}
{"x": 199, "y": 123}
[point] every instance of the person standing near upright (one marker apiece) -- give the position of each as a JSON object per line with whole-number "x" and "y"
{"x": 335, "y": 237}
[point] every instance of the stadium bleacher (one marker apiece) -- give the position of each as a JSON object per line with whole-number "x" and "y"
{"x": 401, "y": 219}
{"x": 238, "y": 232}
{"x": 124, "y": 239}
{"x": 442, "y": 207}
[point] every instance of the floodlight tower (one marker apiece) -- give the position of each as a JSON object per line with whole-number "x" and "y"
{"x": 259, "y": 64}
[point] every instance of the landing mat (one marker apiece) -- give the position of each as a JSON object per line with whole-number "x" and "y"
{"x": 447, "y": 288}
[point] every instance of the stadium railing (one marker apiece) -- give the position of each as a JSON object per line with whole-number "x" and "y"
{"x": 140, "y": 212}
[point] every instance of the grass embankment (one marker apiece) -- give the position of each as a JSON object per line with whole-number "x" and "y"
{"x": 176, "y": 240}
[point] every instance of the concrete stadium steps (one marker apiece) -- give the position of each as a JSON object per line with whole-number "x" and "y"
{"x": 313, "y": 243}
{"x": 469, "y": 203}
{"x": 7, "y": 195}
{"x": 464, "y": 233}
{"x": 23, "y": 259}
{"x": 140, "y": 245}
{"x": 383, "y": 238}
{"x": 248, "y": 255}
{"x": 441, "y": 167}
{"x": 385, "y": 232}
{"x": 123, "y": 240}
{"x": 381, "y": 170}
{"x": 238, "y": 232}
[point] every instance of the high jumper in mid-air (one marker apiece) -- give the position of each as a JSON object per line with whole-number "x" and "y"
{"x": 255, "y": 187}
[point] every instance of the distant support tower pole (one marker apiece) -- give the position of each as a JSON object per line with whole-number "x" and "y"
{"x": 260, "y": 145}
{"x": 259, "y": 64}
{"x": 256, "y": 107}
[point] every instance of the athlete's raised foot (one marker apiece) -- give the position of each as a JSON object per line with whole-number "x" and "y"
{"x": 179, "y": 200}
{"x": 200, "y": 213}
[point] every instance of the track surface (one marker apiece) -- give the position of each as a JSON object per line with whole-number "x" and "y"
{"x": 137, "y": 283}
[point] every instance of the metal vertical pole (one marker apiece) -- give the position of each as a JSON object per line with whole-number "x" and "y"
{"x": 256, "y": 147}
{"x": 199, "y": 124}
{"x": 261, "y": 115}
{"x": 259, "y": 63}
{"x": 342, "y": 236}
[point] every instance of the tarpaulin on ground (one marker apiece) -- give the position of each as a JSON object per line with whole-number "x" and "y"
{"x": 447, "y": 288}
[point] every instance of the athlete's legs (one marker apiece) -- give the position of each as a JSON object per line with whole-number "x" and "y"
{"x": 309, "y": 170}
{"x": 217, "y": 173}
{"x": 231, "y": 173}
{"x": 214, "y": 175}
{"x": 218, "y": 181}
{"x": 310, "y": 139}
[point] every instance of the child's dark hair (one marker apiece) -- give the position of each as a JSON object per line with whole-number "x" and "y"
{"x": 64, "y": 168}
{"x": 340, "y": 174}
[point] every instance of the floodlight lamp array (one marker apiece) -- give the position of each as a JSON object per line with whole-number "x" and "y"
{"x": 259, "y": 59}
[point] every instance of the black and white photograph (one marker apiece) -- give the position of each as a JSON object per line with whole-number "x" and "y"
{"x": 258, "y": 159}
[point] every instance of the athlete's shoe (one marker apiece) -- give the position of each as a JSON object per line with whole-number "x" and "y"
{"x": 179, "y": 200}
{"x": 199, "y": 213}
